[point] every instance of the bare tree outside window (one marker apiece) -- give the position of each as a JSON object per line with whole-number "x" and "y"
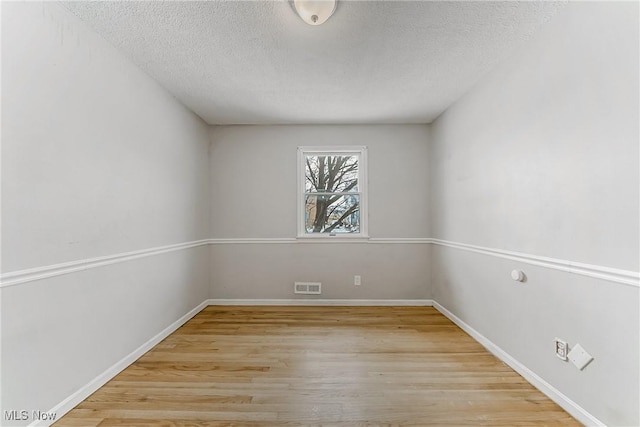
{"x": 332, "y": 198}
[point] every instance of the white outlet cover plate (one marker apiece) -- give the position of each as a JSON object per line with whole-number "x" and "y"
{"x": 579, "y": 357}
{"x": 561, "y": 349}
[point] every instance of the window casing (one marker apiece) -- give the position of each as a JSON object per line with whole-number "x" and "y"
{"x": 332, "y": 192}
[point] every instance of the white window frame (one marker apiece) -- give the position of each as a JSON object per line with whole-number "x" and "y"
{"x": 361, "y": 152}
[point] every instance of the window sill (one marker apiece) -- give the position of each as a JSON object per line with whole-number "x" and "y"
{"x": 332, "y": 239}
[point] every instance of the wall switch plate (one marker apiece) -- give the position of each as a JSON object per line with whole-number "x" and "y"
{"x": 561, "y": 348}
{"x": 357, "y": 280}
{"x": 579, "y": 357}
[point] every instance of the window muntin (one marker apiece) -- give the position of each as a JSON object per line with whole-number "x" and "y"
{"x": 333, "y": 200}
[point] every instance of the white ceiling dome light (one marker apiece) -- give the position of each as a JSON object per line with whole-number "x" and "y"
{"x": 315, "y": 12}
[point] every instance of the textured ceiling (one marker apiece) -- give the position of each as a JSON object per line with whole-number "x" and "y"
{"x": 257, "y": 62}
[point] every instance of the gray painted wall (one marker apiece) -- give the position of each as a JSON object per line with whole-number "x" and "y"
{"x": 541, "y": 157}
{"x": 253, "y": 193}
{"x": 253, "y": 177}
{"x": 267, "y": 271}
{"x": 97, "y": 160}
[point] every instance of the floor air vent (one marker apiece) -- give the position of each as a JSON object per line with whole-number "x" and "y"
{"x": 312, "y": 288}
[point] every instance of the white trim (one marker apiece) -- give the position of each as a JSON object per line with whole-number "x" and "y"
{"x": 363, "y": 180}
{"x": 326, "y": 302}
{"x": 550, "y": 391}
{"x": 338, "y": 238}
{"x": 624, "y": 277}
{"x": 70, "y": 402}
{"x": 600, "y": 272}
{"x": 400, "y": 240}
{"x": 38, "y": 273}
{"x": 257, "y": 241}
{"x": 328, "y": 150}
{"x": 307, "y": 239}
{"x": 567, "y": 404}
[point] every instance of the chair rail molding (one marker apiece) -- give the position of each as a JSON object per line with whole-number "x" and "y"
{"x": 38, "y": 273}
{"x": 624, "y": 277}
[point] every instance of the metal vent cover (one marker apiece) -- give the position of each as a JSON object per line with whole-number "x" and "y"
{"x": 309, "y": 288}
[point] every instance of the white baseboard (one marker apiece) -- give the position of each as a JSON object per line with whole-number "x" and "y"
{"x": 554, "y": 394}
{"x": 567, "y": 404}
{"x": 326, "y": 302}
{"x": 70, "y": 402}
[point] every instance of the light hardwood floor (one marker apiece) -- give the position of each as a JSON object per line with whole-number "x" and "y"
{"x": 290, "y": 366}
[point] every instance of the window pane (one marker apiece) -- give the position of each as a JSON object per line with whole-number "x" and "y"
{"x": 331, "y": 174}
{"x": 332, "y": 213}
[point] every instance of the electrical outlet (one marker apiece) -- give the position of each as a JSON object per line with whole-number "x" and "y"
{"x": 357, "y": 280}
{"x": 562, "y": 349}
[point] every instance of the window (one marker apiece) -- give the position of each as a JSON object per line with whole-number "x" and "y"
{"x": 332, "y": 197}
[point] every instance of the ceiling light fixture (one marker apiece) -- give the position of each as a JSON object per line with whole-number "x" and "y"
{"x": 315, "y": 12}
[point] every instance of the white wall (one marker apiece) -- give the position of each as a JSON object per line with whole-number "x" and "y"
{"x": 97, "y": 160}
{"x": 541, "y": 157}
{"x": 253, "y": 188}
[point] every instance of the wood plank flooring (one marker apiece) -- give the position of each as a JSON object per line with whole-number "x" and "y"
{"x": 342, "y": 366}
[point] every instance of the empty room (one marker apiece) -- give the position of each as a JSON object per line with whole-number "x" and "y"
{"x": 306, "y": 213}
